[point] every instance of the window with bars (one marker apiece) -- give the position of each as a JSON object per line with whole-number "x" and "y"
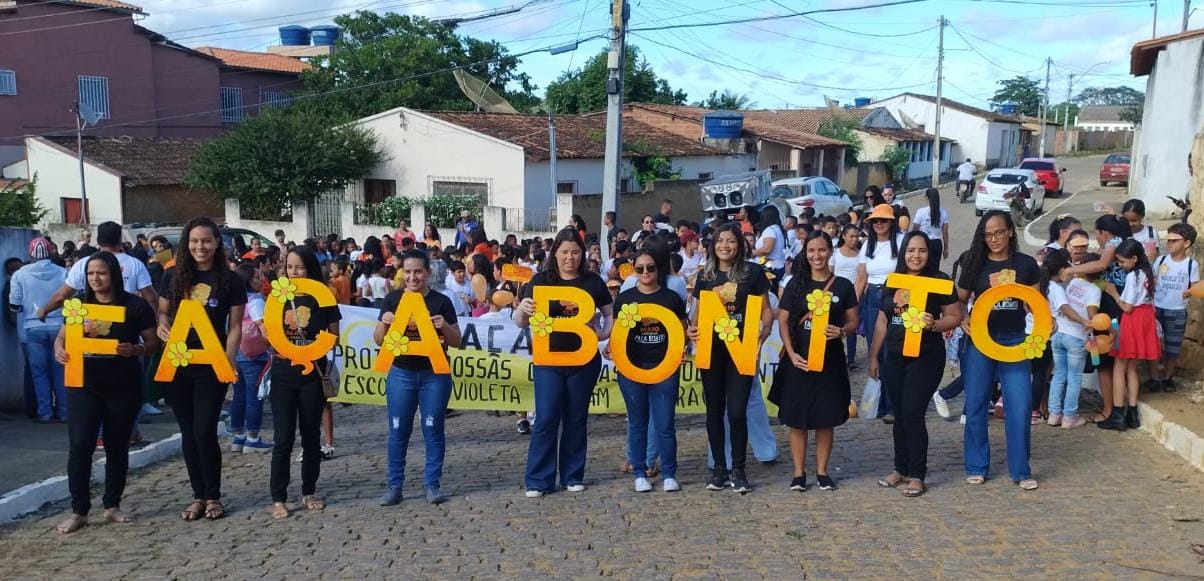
{"x": 8, "y": 82}
{"x": 231, "y": 98}
{"x": 458, "y": 188}
{"x": 566, "y": 187}
{"x": 274, "y": 99}
{"x": 94, "y": 92}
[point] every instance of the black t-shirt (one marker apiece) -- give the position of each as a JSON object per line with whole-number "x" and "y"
{"x": 735, "y": 294}
{"x": 1008, "y": 316}
{"x": 437, "y": 303}
{"x": 895, "y": 329}
{"x": 648, "y": 342}
{"x": 794, "y": 300}
{"x": 303, "y": 320}
{"x": 589, "y": 282}
{"x": 217, "y": 302}
{"x": 106, "y": 369}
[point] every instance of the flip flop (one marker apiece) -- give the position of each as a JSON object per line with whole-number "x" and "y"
{"x": 912, "y": 492}
{"x": 976, "y": 480}
{"x": 312, "y": 502}
{"x": 214, "y": 510}
{"x": 280, "y": 510}
{"x": 1028, "y": 484}
{"x": 887, "y": 483}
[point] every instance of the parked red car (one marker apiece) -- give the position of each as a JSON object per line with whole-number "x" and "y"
{"x": 1048, "y": 172}
{"x": 1114, "y": 169}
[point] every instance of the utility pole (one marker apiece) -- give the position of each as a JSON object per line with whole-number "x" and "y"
{"x": 1044, "y": 108}
{"x": 615, "y": 59}
{"x": 1155, "y": 33}
{"x": 552, "y": 158}
{"x": 940, "y": 77}
{"x": 1066, "y": 126}
{"x": 1186, "y": 14}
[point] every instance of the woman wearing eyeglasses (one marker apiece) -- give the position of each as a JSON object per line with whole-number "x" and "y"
{"x": 879, "y": 255}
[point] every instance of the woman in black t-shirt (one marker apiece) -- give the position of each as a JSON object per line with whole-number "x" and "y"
{"x": 994, "y": 258}
{"x": 811, "y": 400}
{"x": 196, "y": 395}
{"x": 111, "y": 395}
{"x": 647, "y": 347}
{"x": 412, "y": 384}
{"x": 298, "y": 399}
{"x": 911, "y": 381}
{"x": 562, "y": 394}
{"x": 724, "y": 390}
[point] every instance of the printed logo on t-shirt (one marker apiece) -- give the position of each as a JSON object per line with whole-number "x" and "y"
{"x": 569, "y": 309}
{"x": 203, "y": 293}
{"x": 727, "y": 294}
{"x": 97, "y": 328}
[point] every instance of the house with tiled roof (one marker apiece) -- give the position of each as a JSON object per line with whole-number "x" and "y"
{"x": 505, "y": 159}
{"x": 1103, "y": 118}
{"x": 988, "y": 138}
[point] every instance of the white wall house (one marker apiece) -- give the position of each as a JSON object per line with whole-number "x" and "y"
{"x": 985, "y": 137}
{"x": 56, "y": 169}
{"x": 1173, "y": 114}
{"x": 1102, "y": 118}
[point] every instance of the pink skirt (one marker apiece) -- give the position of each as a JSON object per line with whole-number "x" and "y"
{"x": 1139, "y": 335}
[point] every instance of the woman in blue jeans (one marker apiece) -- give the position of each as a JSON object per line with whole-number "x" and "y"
{"x": 647, "y": 346}
{"x": 412, "y": 384}
{"x": 246, "y": 409}
{"x": 562, "y": 394}
{"x": 994, "y": 259}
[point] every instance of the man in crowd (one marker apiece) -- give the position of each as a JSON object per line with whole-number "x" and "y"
{"x": 463, "y": 226}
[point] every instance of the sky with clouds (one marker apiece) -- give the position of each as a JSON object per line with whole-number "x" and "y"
{"x": 794, "y": 62}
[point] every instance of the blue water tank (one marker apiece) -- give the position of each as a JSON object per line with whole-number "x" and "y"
{"x": 293, "y": 35}
{"x": 1009, "y": 108}
{"x": 861, "y": 101}
{"x": 324, "y": 35}
{"x": 722, "y": 125}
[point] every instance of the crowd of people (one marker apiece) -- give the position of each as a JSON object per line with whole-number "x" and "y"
{"x": 1139, "y": 290}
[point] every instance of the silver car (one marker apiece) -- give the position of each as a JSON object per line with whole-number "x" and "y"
{"x": 998, "y": 182}
{"x": 793, "y": 195}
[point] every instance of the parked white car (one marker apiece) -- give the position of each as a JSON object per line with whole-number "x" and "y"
{"x": 793, "y": 195}
{"x": 998, "y": 182}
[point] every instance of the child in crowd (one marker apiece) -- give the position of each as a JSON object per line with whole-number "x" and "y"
{"x": 1074, "y": 301}
{"x": 1175, "y": 273}
{"x": 1138, "y": 340}
{"x": 340, "y": 284}
{"x": 379, "y": 286}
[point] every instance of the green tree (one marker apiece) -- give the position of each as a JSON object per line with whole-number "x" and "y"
{"x": 1022, "y": 91}
{"x": 896, "y": 160}
{"x": 1132, "y": 113}
{"x": 584, "y": 90}
{"x": 407, "y": 57}
{"x": 283, "y": 156}
{"x": 1109, "y": 96}
{"x": 727, "y": 101}
{"x": 19, "y": 205}
{"x": 1059, "y": 112}
{"x": 844, "y": 128}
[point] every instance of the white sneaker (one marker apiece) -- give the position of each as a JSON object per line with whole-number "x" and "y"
{"x": 150, "y": 410}
{"x": 642, "y": 485}
{"x": 942, "y": 406}
{"x": 670, "y": 485}
{"x": 534, "y": 493}
{"x": 576, "y": 488}
{"x": 963, "y": 420}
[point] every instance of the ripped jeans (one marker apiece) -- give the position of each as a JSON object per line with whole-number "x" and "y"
{"x": 408, "y": 391}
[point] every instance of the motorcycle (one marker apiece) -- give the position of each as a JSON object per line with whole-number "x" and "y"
{"x": 965, "y": 188}
{"x": 1184, "y": 205}
{"x": 1017, "y": 199}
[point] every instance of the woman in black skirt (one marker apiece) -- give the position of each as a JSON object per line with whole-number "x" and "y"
{"x": 809, "y": 400}
{"x": 911, "y": 381}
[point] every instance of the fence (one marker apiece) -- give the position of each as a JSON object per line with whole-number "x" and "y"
{"x": 530, "y": 219}
{"x": 1093, "y": 140}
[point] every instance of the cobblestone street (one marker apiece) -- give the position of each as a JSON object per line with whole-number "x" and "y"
{"x": 1110, "y": 506}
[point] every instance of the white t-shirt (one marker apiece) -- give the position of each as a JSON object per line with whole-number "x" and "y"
{"x": 255, "y": 307}
{"x": 1172, "y": 279}
{"x": 965, "y": 171}
{"x": 1135, "y": 292}
{"x": 689, "y": 265}
{"x": 379, "y": 286}
{"x": 792, "y": 243}
{"x": 361, "y": 283}
{"x": 1148, "y": 237}
{"x": 883, "y": 263}
{"x": 133, "y": 274}
{"x": 1079, "y": 295}
{"x": 845, "y": 266}
{"x": 455, "y": 290}
{"x": 777, "y": 256}
{"x": 923, "y": 221}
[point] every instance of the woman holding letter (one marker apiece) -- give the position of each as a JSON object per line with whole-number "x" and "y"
{"x": 562, "y": 394}
{"x": 111, "y": 394}
{"x": 911, "y": 380}
{"x": 814, "y": 400}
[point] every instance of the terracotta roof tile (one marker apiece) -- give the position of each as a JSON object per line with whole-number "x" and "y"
{"x": 757, "y": 123}
{"x": 143, "y": 161}
{"x": 260, "y": 61}
{"x": 114, "y": 4}
{"x": 577, "y": 136}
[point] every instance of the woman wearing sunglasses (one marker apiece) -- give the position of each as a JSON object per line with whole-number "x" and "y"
{"x": 879, "y": 255}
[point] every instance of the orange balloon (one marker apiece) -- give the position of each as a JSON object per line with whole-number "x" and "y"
{"x": 503, "y": 298}
{"x": 1101, "y": 322}
{"x": 479, "y": 286}
{"x": 1197, "y": 290}
{"x": 1103, "y": 343}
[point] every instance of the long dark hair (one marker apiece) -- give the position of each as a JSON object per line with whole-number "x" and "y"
{"x": 934, "y": 206}
{"x": 875, "y": 195}
{"x": 1114, "y": 226}
{"x": 930, "y": 268}
{"x": 1053, "y": 265}
{"x": 1058, "y": 224}
{"x": 801, "y": 273}
{"x": 661, "y": 262}
{"x": 871, "y": 240}
{"x": 978, "y": 247}
{"x": 1131, "y": 248}
{"x": 117, "y": 289}
{"x": 184, "y": 276}
{"x": 482, "y": 266}
{"x": 847, "y": 227}
{"x": 313, "y": 270}
{"x": 710, "y": 269}
{"x": 565, "y": 236}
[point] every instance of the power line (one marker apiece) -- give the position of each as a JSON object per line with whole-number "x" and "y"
{"x": 984, "y": 56}
{"x": 775, "y": 16}
{"x": 869, "y": 34}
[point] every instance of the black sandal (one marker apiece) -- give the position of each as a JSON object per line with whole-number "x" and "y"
{"x": 214, "y": 509}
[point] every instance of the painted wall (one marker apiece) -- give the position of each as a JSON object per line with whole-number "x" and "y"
{"x": 252, "y": 83}
{"x": 977, "y": 138}
{"x": 1174, "y": 111}
{"x": 57, "y": 174}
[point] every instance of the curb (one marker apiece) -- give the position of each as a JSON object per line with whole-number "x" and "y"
{"x": 1174, "y": 437}
{"x": 31, "y": 497}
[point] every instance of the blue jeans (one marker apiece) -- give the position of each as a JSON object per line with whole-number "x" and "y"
{"x": 558, "y": 441}
{"x": 760, "y": 435}
{"x": 246, "y": 409}
{"x": 645, "y": 401}
{"x": 1069, "y": 360}
{"x": 47, "y": 373}
{"x": 406, "y": 391}
{"x": 1016, "y": 380}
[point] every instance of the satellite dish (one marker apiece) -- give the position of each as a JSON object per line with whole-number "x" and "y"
{"x": 908, "y": 122}
{"x": 485, "y": 98}
{"x": 88, "y": 114}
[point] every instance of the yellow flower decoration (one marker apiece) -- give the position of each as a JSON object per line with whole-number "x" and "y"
{"x": 913, "y": 320}
{"x": 541, "y": 324}
{"x": 819, "y": 302}
{"x": 178, "y": 354}
{"x": 1034, "y": 346}
{"x": 396, "y": 343}
{"x": 629, "y": 315}
{"x": 728, "y": 329}
{"x": 74, "y": 311}
{"x": 284, "y": 290}
{"x": 1007, "y": 276}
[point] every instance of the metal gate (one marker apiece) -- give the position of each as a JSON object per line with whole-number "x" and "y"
{"x": 324, "y": 215}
